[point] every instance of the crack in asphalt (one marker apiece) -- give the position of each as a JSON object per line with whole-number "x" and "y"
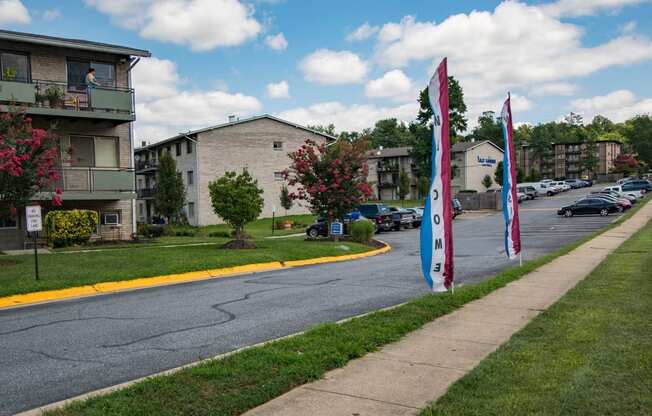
{"x": 60, "y": 358}
{"x": 110, "y": 318}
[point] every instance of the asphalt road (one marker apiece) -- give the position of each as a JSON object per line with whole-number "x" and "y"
{"x": 52, "y": 352}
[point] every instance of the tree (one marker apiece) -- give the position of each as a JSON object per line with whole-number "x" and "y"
{"x": 534, "y": 176}
{"x": 520, "y": 175}
{"x": 498, "y": 174}
{"x": 638, "y": 132}
{"x": 389, "y": 133}
{"x": 28, "y": 159}
{"x": 330, "y": 129}
{"x": 403, "y": 184}
{"x": 286, "y": 201}
{"x": 170, "y": 193}
{"x": 625, "y": 164}
{"x": 487, "y": 182}
{"x": 238, "y": 200}
{"x": 489, "y": 128}
{"x": 333, "y": 179}
{"x": 423, "y": 186}
{"x": 590, "y": 157}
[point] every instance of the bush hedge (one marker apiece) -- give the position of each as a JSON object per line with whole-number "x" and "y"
{"x": 71, "y": 227}
{"x": 362, "y": 231}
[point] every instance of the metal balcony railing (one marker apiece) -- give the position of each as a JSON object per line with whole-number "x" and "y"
{"x": 91, "y": 179}
{"x": 146, "y": 164}
{"x": 145, "y": 193}
{"x": 60, "y": 98}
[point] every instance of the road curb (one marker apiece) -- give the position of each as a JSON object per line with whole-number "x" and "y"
{"x": 48, "y": 296}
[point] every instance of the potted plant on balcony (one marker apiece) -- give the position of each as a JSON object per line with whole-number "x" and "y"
{"x": 9, "y": 74}
{"x": 55, "y": 96}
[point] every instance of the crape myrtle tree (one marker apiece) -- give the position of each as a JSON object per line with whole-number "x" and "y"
{"x": 28, "y": 162}
{"x": 331, "y": 179}
{"x": 170, "y": 192}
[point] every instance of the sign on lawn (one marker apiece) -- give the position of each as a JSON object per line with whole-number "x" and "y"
{"x": 337, "y": 228}
{"x": 33, "y": 214}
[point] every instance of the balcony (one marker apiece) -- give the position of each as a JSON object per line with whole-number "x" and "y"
{"x": 59, "y": 99}
{"x": 84, "y": 183}
{"x": 145, "y": 193}
{"x": 146, "y": 165}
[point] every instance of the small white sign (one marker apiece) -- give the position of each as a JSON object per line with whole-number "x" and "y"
{"x": 34, "y": 222}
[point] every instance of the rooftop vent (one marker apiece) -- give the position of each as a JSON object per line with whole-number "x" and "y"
{"x": 232, "y": 118}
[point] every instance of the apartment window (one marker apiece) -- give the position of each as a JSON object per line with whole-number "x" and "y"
{"x": 140, "y": 183}
{"x": 177, "y": 149}
{"x": 190, "y": 178}
{"x": 141, "y": 210}
{"x": 279, "y": 176}
{"x": 278, "y": 145}
{"x": 89, "y": 151}
{"x": 77, "y": 70}
{"x": 7, "y": 220}
{"x": 14, "y": 67}
{"x": 191, "y": 210}
{"x": 111, "y": 218}
{"x": 188, "y": 147}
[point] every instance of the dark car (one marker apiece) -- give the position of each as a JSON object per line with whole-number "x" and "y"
{"x": 320, "y": 228}
{"x": 575, "y": 183}
{"x": 378, "y": 213}
{"x": 589, "y": 206}
{"x": 418, "y": 217}
{"x": 637, "y": 185}
{"x": 401, "y": 218}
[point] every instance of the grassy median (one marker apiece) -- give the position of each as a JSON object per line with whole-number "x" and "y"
{"x": 63, "y": 269}
{"x": 589, "y": 354}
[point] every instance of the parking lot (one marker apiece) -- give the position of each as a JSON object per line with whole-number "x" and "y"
{"x": 54, "y": 351}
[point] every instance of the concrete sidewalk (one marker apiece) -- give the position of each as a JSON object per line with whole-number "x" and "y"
{"x": 402, "y": 378}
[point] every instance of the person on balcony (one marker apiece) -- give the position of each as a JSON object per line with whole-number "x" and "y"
{"x": 91, "y": 83}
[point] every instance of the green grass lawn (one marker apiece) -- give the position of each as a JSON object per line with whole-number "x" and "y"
{"x": 407, "y": 203}
{"x": 63, "y": 269}
{"x": 589, "y": 354}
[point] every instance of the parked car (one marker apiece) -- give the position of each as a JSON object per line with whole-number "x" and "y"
{"x": 622, "y": 203}
{"x": 528, "y": 190}
{"x": 637, "y": 185}
{"x": 589, "y": 206}
{"x": 563, "y": 185}
{"x": 521, "y": 197}
{"x": 619, "y": 189}
{"x": 625, "y": 179}
{"x": 379, "y": 213}
{"x": 541, "y": 188}
{"x": 457, "y": 208}
{"x": 418, "y": 216}
{"x": 401, "y": 218}
{"x": 587, "y": 182}
{"x": 575, "y": 183}
{"x": 318, "y": 229}
{"x": 615, "y": 194}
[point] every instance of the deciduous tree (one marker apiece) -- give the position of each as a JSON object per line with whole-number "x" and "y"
{"x": 403, "y": 184}
{"x": 170, "y": 192}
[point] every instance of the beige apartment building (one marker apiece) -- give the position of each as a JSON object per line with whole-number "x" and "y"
{"x": 44, "y": 75}
{"x": 564, "y": 160}
{"x": 260, "y": 144}
{"x": 385, "y": 166}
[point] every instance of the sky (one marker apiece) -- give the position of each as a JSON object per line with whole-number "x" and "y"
{"x": 352, "y": 63}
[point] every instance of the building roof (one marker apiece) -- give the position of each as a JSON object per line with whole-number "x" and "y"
{"x": 71, "y": 43}
{"x": 460, "y": 147}
{"x": 390, "y": 152}
{"x": 233, "y": 123}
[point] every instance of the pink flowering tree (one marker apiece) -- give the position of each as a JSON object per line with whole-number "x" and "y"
{"x": 28, "y": 158}
{"x": 332, "y": 180}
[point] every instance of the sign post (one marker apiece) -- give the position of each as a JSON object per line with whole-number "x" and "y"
{"x": 34, "y": 225}
{"x": 273, "y": 218}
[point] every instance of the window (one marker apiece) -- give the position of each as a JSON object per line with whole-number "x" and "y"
{"x": 77, "y": 70}
{"x": 89, "y": 151}
{"x": 7, "y": 220}
{"x": 279, "y": 176}
{"x": 190, "y": 178}
{"x": 14, "y": 67}
{"x": 278, "y": 145}
{"x": 191, "y": 210}
{"x": 111, "y": 218}
{"x": 177, "y": 149}
{"x": 188, "y": 147}
{"x": 140, "y": 183}
{"x": 141, "y": 209}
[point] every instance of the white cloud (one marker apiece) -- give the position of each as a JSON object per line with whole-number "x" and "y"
{"x": 392, "y": 84}
{"x": 201, "y": 24}
{"x": 51, "y": 14}
{"x": 575, "y": 8}
{"x": 618, "y": 106}
{"x": 277, "y": 42}
{"x": 164, "y": 108}
{"x": 354, "y": 117}
{"x": 363, "y": 32}
{"x": 334, "y": 67}
{"x": 13, "y": 11}
{"x": 515, "y": 48}
{"x": 278, "y": 90}
{"x": 554, "y": 89}
{"x": 628, "y": 28}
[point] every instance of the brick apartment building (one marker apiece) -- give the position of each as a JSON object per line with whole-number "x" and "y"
{"x": 93, "y": 126}
{"x": 261, "y": 144}
{"x": 564, "y": 160}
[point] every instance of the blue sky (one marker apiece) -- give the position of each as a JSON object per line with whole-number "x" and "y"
{"x": 213, "y": 58}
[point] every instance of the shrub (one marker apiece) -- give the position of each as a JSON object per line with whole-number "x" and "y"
{"x": 220, "y": 234}
{"x": 153, "y": 231}
{"x": 66, "y": 228}
{"x": 362, "y": 231}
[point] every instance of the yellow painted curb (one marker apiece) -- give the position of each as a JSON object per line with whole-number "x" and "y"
{"x": 170, "y": 279}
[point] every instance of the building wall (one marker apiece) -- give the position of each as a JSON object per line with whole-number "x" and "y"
{"x": 480, "y": 161}
{"x": 249, "y": 145}
{"x": 378, "y": 176}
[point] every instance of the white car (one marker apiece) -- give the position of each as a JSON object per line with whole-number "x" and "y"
{"x": 618, "y": 188}
{"x": 542, "y": 188}
{"x": 521, "y": 196}
{"x": 563, "y": 185}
